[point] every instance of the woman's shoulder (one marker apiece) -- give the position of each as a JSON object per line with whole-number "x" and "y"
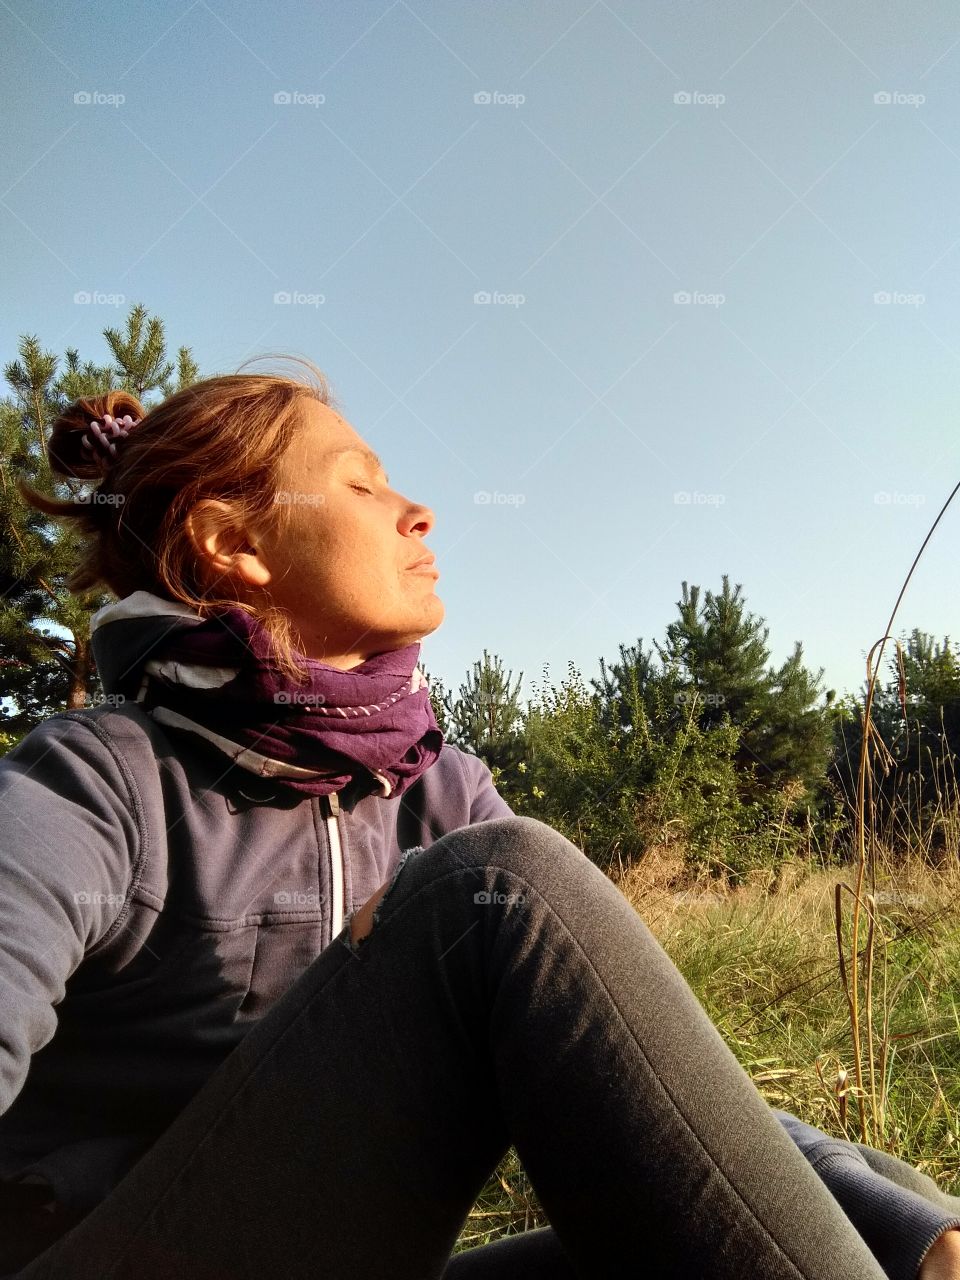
{"x": 72, "y": 828}
{"x": 74, "y": 743}
{"x": 468, "y": 777}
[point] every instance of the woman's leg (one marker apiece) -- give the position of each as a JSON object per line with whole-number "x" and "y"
{"x": 506, "y": 992}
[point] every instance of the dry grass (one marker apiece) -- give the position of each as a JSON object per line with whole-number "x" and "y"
{"x": 763, "y": 962}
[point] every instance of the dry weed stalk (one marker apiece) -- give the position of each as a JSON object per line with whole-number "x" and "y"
{"x": 851, "y": 979}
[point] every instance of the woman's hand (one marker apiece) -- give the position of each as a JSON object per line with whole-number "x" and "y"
{"x": 942, "y": 1261}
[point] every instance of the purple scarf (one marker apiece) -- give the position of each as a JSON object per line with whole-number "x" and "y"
{"x": 219, "y": 674}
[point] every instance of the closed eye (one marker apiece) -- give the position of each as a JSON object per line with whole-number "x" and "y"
{"x": 361, "y": 488}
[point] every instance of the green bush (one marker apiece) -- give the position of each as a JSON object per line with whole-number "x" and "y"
{"x": 661, "y": 780}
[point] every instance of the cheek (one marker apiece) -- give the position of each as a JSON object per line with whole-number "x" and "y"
{"x": 347, "y": 527}
{"x": 349, "y": 548}
{"x": 318, "y": 525}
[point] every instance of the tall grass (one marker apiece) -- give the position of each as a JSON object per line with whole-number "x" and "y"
{"x": 857, "y": 972}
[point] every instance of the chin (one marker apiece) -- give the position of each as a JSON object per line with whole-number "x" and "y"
{"x": 426, "y": 625}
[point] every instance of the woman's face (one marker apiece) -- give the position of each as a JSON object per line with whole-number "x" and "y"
{"x": 343, "y": 565}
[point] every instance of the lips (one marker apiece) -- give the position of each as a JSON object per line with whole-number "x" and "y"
{"x": 425, "y": 562}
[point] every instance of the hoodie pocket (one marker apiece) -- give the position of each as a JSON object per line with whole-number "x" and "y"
{"x": 282, "y": 953}
{"x": 200, "y": 976}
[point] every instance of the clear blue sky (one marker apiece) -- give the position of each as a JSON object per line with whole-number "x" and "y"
{"x": 781, "y": 197}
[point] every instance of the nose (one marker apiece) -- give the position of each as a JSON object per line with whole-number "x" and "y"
{"x": 418, "y": 519}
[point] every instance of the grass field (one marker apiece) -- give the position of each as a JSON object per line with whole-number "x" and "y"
{"x": 763, "y": 960}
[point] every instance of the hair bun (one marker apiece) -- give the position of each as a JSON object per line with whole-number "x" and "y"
{"x": 66, "y": 451}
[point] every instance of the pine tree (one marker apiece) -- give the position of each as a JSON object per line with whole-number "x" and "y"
{"x": 487, "y": 720}
{"x": 440, "y": 700}
{"x": 42, "y": 670}
{"x": 636, "y": 676}
{"x": 721, "y": 653}
{"x": 931, "y": 672}
{"x": 141, "y": 357}
{"x": 916, "y": 712}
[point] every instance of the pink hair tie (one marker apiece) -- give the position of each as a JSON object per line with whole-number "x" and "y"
{"x": 117, "y": 427}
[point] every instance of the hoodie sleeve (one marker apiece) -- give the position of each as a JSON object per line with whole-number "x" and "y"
{"x": 69, "y": 843}
{"x": 898, "y": 1219}
{"x": 486, "y": 801}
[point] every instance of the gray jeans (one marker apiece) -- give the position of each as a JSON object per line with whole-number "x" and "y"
{"x": 507, "y": 993}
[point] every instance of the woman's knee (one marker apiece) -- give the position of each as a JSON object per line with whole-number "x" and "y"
{"x": 517, "y": 844}
{"x": 514, "y": 863}
{"x": 514, "y": 848}
{"x": 506, "y": 857}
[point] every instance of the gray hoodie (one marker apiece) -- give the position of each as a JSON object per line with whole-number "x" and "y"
{"x": 155, "y": 901}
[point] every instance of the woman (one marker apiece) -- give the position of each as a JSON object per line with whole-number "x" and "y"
{"x": 281, "y": 975}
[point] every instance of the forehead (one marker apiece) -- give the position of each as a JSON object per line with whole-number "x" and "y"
{"x": 363, "y": 450}
{"x": 326, "y": 437}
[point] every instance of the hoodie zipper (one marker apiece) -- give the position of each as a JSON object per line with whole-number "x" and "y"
{"x": 332, "y": 808}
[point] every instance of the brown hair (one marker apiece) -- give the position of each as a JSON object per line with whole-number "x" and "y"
{"x": 220, "y": 438}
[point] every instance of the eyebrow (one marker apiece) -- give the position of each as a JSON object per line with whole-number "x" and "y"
{"x": 367, "y": 454}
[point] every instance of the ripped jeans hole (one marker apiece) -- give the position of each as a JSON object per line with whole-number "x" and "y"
{"x": 355, "y": 946}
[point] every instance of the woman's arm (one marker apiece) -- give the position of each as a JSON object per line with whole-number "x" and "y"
{"x": 69, "y": 841}
{"x": 913, "y": 1233}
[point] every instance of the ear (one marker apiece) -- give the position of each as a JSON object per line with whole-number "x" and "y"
{"x": 225, "y": 546}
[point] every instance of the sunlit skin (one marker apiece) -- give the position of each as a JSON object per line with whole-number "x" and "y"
{"x": 341, "y": 566}
{"x": 943, "y": 1259}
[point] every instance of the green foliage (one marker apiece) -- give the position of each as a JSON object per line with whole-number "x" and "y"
{"x": 45, "y": 657}
{"x": 141, "y": 357}
{"x": 8, "y": 741}
{"x": 696, "y": 745}
{"x": 653, "y": 776}
{"x": 916, "y": 713}
{"x": 721, "y": 652}
{"x": 439, "y": 699}
{"x": 486, "y": 719}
